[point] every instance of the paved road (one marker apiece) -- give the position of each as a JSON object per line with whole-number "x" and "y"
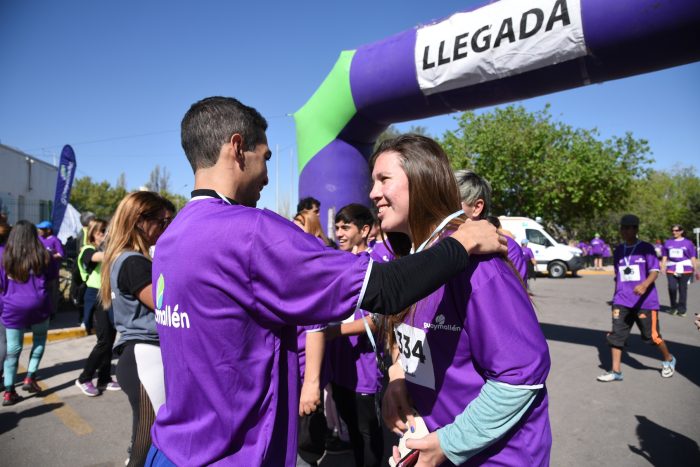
{"x": 644, "y": 420}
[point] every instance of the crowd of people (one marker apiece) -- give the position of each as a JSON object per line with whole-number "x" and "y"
{"x": 247, "y": 339}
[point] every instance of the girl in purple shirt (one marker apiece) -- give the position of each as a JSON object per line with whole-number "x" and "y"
{"x": 678, "y": 262}
{"x": 474, "y": 339}
{"x": 25, "y": 270}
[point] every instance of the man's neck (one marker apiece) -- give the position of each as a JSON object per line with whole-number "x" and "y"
{"x": 214, "y": 180}
{"x": 631, "y": 242}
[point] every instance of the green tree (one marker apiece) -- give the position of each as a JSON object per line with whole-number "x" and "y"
{"x": 98, "y": 197}
{"x": 540, "y": 167}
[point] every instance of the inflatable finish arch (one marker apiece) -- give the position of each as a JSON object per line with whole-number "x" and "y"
{"x": 495, "y": 53}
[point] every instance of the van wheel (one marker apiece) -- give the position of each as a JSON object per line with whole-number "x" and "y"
{"x": 556, "y": 269}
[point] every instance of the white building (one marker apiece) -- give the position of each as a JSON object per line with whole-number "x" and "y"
{"x": 27, "y": 186}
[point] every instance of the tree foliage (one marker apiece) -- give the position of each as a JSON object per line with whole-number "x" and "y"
{"x": 102, "y": 198}
{"x": 393, "y": 132}
{"x": 540, "y": 167}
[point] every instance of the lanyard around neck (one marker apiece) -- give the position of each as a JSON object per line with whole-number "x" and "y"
{"x": 439, "y": 229}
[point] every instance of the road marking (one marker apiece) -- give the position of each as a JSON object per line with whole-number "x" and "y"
{"x": 65, "y": 413}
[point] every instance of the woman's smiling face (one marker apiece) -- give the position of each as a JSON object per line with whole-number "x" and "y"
{"x": 390, "y": 192}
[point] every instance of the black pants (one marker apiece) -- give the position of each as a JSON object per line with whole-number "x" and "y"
{"x": 142, "y": 411}
{"x": 359, "y": 411}
{"x": 678, "y": 286}
{"x": 100, "y": 359}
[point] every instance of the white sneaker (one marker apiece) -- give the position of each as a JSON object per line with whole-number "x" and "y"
{"x": 668, "y": 368}
{"x": 609, "y": 377}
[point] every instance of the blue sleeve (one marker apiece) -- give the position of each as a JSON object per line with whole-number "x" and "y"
{"x": 487, "y": 418}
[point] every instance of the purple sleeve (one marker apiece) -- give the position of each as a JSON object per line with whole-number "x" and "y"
{"x": 295, "y": 280}
{"x": 664, "y": 250}
{"x": 691, "y": 248}
{"x": 58, "y": 246}
{"x": 652, "y": 260}
{"x": 506, "y": 340}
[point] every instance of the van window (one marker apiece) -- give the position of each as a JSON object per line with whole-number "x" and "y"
{"x": 535, "y": 236}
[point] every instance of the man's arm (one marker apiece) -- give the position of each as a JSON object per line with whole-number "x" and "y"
{"x": 310, "y": 397}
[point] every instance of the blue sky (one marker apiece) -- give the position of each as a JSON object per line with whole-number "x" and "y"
{"x": 113, "y": 79}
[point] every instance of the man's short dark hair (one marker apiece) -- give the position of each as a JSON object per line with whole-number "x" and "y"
{"x": 355, "y": 214}
{"x": 307, "y": 204}
{"x": 210, "y": 123}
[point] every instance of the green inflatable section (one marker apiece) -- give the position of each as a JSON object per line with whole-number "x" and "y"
{"x": 331, "y": 107}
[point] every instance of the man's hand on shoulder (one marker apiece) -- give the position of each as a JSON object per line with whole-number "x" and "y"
{"x": 480, "y": 238}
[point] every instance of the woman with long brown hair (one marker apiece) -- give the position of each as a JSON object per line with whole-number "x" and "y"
{"x": 139, "y": 220}
{"x": 470, "y": 357}
{"x": 26, "y": 268}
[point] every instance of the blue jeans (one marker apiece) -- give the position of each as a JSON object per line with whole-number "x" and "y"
{"x": 15, "y": 338}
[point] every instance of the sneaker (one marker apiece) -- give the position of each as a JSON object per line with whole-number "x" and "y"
{"x": 610, "y": 376}
{"x": 668, "y": 368}
{"x": 30, "y": 384}
{"x": 111, "y": 386}
{"x": 88, "y": 388}
{"x": 10, "y": 398}
{"x": 673, "y": 311}
{"x": 681, "y": 313}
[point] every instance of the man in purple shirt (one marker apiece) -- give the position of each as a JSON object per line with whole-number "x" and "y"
{"x": 234, "y": 282}
{"x": 636, "y": 299}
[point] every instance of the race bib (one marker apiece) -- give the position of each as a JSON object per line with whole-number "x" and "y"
{"x": 415, "y": 357}
{"x": 630, "y": 273}
{"x": 675, "y": 253}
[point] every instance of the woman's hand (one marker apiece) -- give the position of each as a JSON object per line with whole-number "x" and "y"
{"x": 397, "y": 409}
{"x": 310, "y": 399}
{"x": 430, "y": 451}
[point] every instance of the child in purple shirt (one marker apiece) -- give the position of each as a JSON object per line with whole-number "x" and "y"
{"x": 635, "y": 299}
{"x": 25, "y": 269}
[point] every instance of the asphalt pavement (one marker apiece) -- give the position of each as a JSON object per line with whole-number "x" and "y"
{"x": 643, "y": 420}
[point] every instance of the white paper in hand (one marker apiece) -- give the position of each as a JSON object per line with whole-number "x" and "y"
{"x": 421, "y": 432}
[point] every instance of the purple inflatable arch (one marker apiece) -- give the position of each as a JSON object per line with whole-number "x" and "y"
{"x": 492, "y": 54}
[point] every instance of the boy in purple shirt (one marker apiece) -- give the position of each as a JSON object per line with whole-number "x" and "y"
{"x": 679, "y": 260}
{"x": 635, "y": 299}
{"x": 50, "y": 241}
{"x": 233, "y": 282}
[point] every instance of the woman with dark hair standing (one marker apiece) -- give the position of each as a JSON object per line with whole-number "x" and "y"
{"x": 471, "y": 357}
{"x": 100, "y": 359}
{"x": 25, "y": 270}
{"x": 139, "y": 220}
{"x": 679, "y": 261}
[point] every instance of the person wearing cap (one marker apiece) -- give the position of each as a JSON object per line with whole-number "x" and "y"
{"x": 679, "y": 260}
{"x": 49, "y": 240}
{"x": 636, "y": 299}
{"x": 55, "y": 249}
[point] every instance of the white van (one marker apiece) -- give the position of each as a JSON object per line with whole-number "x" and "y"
{"x": 552, "y": 257}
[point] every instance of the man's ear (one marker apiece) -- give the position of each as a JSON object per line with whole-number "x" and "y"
{"x": 236, "y": 148}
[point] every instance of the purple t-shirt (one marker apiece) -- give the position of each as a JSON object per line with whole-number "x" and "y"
{"x": 584, "y": 247}
{"x": 28, "y": 303}
{"x": 515, "y": 255}
{"x": 633, "y": 263}
{"x": 528, "y": 255}
{"x": 353, "y": 360}
{"x": 479, "y": 326}
{"x": 53, "y": 244}
{"x": 597, "y": 246}
{"x": 679, "y": 253}
{"x": 227, "y": 317}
